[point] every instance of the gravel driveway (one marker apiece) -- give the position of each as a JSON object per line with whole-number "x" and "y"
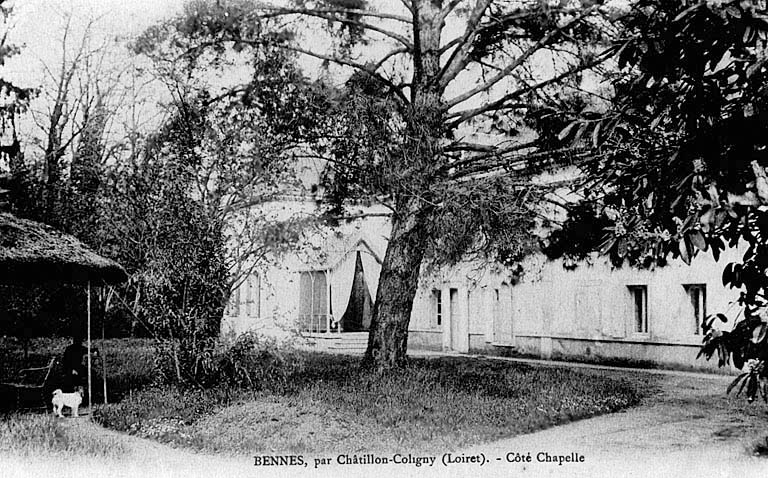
{"x": 690, "y": 428}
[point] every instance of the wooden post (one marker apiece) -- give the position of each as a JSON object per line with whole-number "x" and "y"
{"x": 103, "y": 355}
{"x": 89, "y": 350}
{"x": 328, "y": 318}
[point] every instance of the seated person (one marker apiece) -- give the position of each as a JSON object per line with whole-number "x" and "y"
{"x": 75, "y": 371}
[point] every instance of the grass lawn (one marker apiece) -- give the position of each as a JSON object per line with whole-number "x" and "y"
{"x": 130, "y": 367}
{"x": 435, "y": 404}
{"x": 329, "y": 404}
{"x": 129, "y": 364}
{"x": 35, "y": 434}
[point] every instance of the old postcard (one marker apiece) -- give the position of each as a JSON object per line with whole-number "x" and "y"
{"x": 383, "y": 237}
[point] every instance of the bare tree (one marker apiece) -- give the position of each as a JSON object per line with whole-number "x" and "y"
{"x": 15, "y": 100}
{"x": 78, "y": 100}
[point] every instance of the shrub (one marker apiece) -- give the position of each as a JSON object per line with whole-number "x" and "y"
{"x": 160, "y": 402}
{"x": 328, "y": 402}
{"x": 255, "y": 362}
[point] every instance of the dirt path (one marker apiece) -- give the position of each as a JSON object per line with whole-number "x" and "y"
{"x": 142, "y": 458}
{"x": 689, "y": 429}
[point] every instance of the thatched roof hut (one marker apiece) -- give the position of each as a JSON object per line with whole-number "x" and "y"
{"x": 35, "y": 252}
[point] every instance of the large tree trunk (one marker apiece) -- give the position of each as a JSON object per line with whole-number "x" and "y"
{"x": 388, "y": 339}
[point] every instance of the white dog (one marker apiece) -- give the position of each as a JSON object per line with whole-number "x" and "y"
{"x": 71, "y": 400}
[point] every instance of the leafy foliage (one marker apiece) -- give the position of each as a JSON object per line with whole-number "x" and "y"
{"x": 489, "y": 220}
{"x": 680, "y": 156}
{"x": 530, "y": 20}
{"x": 395, "y": 133}
{"x": 173, "y": 246}
{"x": 580, "y": 235}
{"x": 256, "y": 362}
{"x": 200, "y": 190}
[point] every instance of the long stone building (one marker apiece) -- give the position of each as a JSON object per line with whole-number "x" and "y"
{"x": 324, "y": 294}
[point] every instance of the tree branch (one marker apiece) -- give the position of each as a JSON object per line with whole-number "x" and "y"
{"x": 499, "y": 104}
{"x": 447, "y": 9}
{"x": 449, "y": 45}
{"x": 349, "y": 63}
{"x": 459, "y": 57}
{"x": 489, "y": 151}
{"x": 515, "y": 63}
{"x": 521, "y": 163}
{"x": 352, "y": 217}
{"x": 466, "y": 146}
{"x": 278, "y": 11}
{"x": 364, "y": 25}
{"x": 389, "y": 55}
{"x": 397, "y": 89}
{"x": 407, "y": 4}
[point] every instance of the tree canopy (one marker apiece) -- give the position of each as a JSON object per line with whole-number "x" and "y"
{"x": 679, "y": 159}
{"x": 436, "y": 116}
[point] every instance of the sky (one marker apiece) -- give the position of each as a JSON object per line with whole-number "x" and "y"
{"x": 38, "y": 26}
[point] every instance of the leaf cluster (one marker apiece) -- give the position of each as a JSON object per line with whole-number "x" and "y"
{"x": 679, "y": 157}
{"x": 581, "y": 234}
{"x": 488, "y": 219}
{"x": 744, "y": 346}
{"x": 514, "y": 22}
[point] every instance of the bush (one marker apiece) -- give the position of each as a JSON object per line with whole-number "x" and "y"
{"x": 252, "y": 363}
{"x": 159, "y": 403}
{"x": 255, "y": 362}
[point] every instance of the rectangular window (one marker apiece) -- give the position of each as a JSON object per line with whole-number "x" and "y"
{"x": 437, "y": 300}
{"x": 697, "y": 294}
{"x": 253, "y": 297}
{"x": 313, "y": 301}
{"x": 639, "y": 296}
{"x": 233, "y": 307}
{"x": 497, "y": 328}
{"x": 248, "y": 297}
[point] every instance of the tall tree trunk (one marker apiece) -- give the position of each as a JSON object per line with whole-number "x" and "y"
{"x": 388, "y": 338}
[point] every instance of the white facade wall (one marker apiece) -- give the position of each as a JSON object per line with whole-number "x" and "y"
{"x": 328, "y": 252}
{"x": 588, "y": 311}
{"x": 547, "y": 311}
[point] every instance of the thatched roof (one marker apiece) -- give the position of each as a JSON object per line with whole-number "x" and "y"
{"x": 34, "y": 252}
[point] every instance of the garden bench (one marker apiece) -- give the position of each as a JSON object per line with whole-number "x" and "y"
{"x": 33, "y": 382}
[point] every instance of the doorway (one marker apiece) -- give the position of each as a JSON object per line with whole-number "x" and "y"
{"x": 357, "y": 317}
{"x": 459, "y": 326}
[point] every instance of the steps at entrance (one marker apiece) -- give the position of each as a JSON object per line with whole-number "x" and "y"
{"x": 345, "y": 342}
